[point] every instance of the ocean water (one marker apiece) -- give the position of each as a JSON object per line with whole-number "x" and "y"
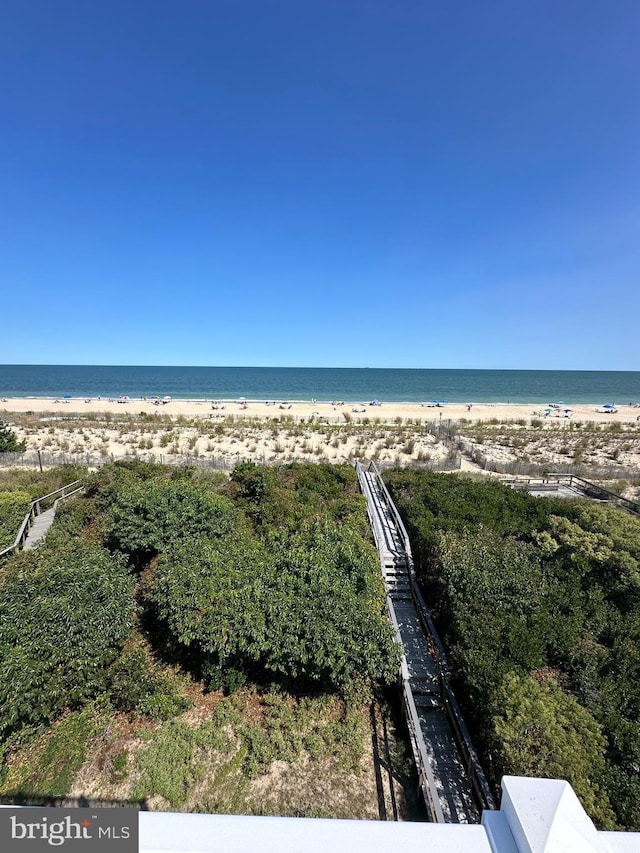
{"x": 322, "y": 384}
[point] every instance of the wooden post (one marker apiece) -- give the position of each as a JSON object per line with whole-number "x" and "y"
{"x": 40, "y": 461}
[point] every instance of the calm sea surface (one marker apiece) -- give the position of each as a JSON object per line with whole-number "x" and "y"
{"x": 306, "y": 383}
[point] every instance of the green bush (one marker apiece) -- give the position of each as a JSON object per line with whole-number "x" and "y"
{"x": 40, "y": 483}
{"x": 13, "y": 508}
{"x": 76, "y": 518}
{"x": 541, "y": 731}
{"x": 309, "y": 606}
{"x": 64, "y": 615}
{"x": 494, "y": 589}
{"x": 147, "y": 517}
{"x": 225, "y": 677}
{"x": 9, "y": 442}
{"x": 137, "y": 684}
{"x": 327, "y": 620}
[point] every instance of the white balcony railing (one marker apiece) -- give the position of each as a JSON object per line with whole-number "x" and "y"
{"x": 536, "y": 815}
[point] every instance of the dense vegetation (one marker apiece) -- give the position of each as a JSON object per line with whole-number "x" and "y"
{"x": 538, "y": 602}
{"x": 63, "y": 616}
{"x": 38, "y": 483}
{"x": 13, "y": 508}
{"x": 161, "y": 586}
{"x": 9, "y": 442}
{"x": 270, "y": 576}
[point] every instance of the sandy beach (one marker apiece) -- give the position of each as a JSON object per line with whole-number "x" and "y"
{"x": 330, "y": 412}
{"x": 496, "y": 439}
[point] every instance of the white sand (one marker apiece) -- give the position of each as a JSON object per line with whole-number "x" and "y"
{"x": 282, "y": 432}
{"x": 356, "y": 411}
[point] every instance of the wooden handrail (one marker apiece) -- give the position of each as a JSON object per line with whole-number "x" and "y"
{"x": 34, "y": 511}
{"x": 480, "y": 786}
{"x": 55, "y": 492}
{"x": 585, "y": 485}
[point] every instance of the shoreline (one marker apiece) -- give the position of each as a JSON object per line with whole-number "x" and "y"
{"x": 321, "y": 410}
{"x": 114, "y": 398}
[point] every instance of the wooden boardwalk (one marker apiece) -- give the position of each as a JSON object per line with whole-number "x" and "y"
{"x": 38, "y": 520}
{"x": 39, "y": 528}
{"x": 572, "y": 486}
{"x": 450, "y": 789}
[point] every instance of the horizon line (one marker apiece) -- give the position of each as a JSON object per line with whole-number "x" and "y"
{"x": 319, "y": 367}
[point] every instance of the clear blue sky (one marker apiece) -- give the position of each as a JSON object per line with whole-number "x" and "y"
{"x": 405, "y": 183}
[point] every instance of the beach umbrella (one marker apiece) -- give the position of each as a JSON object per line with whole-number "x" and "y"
{"x": 67, "y": 397}
{"x": 166, "y": 399}
{"x": 608, "y": 406}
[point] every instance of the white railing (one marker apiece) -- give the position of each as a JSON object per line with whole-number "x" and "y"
{"x": 535, "y": 815}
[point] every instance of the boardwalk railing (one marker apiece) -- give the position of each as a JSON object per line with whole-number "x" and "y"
{"x": 479, "y": 785}
{"x": 37, "y": 507}
{"x": 578, "y": 484}
{"x": 428, "y": 783}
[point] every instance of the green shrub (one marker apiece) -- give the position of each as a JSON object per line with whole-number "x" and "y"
{"x": 541, "y": 731}
{"x": 493, "y": 589}
{"x": 227, "y": 677}
{"x": 13, "y": 508}
{"x": 9, "y": 442}
{"x": 146, "y": 517}
{"x": 63, "y": 616}
{"x": 137, "y": 684}
{"x": 309, "y": 606}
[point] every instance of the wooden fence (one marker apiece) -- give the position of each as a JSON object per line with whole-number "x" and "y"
{"x": 42, "y": 459}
